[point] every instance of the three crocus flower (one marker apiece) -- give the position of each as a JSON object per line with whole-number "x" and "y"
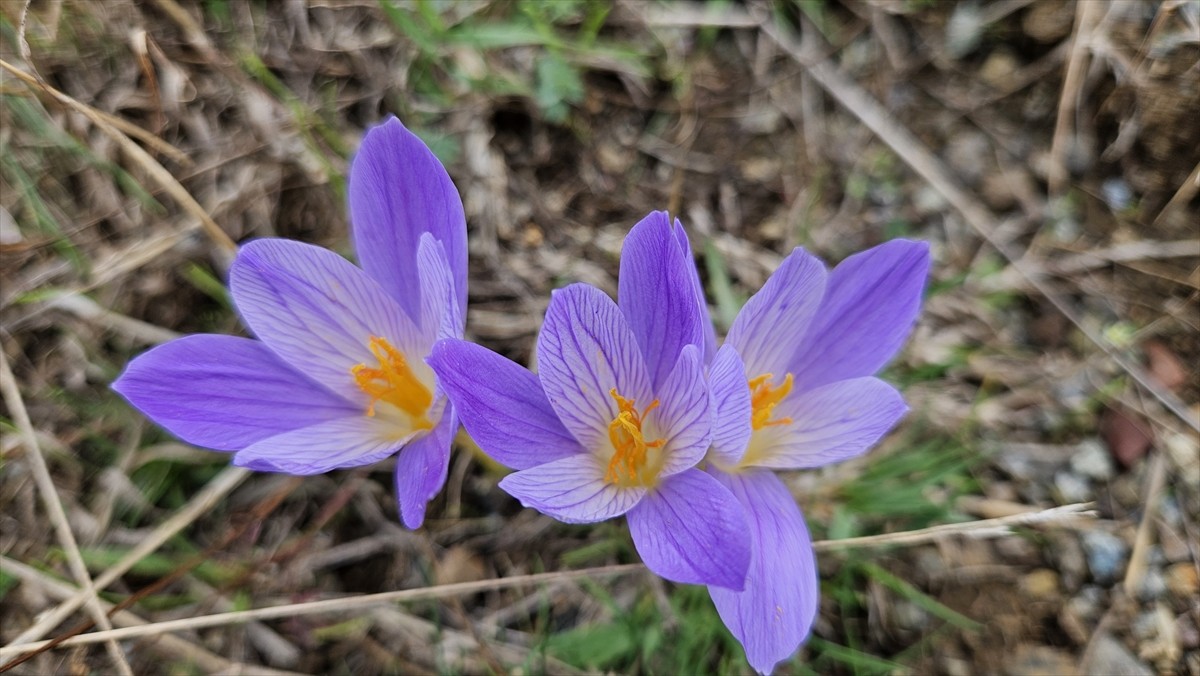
{"x": 633, "y": 411}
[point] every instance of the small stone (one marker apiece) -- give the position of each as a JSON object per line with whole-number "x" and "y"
{"x": 614, "y": 159}
{"x": 1040, "y": 660}
{"x": 1106, "y": 555}
{"x": 1188, "y": 633}
{"x": 999, "y": 68}
{"x": 1146, "y": 625}
{"x": 1174, "y": 546}
{"x": 1117, "y": 193}
{"x": 997, "y": 192}
{"x": 761, "y": 169}
{"x": 1048, "y": 21}
{"x": 1092, "y": 461}
{"x": 956, "y": 666}
{"x": 1185, "y": 451}
{"x": 1040, "y": 585}
{"x": 1165, "y": 366}
{"x": 929, "y": 201}
{"x": 1087, "y": 603}
{"x": 909, "y": 615}
{"x": 1127, "y": 434}
{"x": 1182, "y": 580}
{"x": 1152, "y": 586}
{"x": 1071, "y": 487}
{"x": 1068, "y": 557}
{"x": 1110, "y": 656}
{"x": 968, "y": 153}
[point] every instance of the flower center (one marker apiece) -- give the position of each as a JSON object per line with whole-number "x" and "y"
{"x": 630, "y": 448}
{"x": 393, "y": 383}
{"x": 764, "y": 397}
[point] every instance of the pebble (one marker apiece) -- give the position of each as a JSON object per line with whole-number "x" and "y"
{"x": 956, "y": 666}
{"x": 1182, "y": 580}
{"x": 1088, "y": 601}
{"x": 967, "y": 153}
{"x": 1110, "y": 656}
{"x": 1152, "y": 585}
{"x": 1048, "y": 21}
{"x": 1093, "y": 461}
{"x": 1071, "y": 488}
{"x": 1106, "y": 555}
{"x": 1069, "y": 559}
{"x": 1185, "y": 451}
{"x": 1146, "y": 625}
{"x": 1117, "y": 193}
{"x": 909, "y": 615}
{"x": 1040, "y": 585}
{"x": 1040, "y": 660}
{"x": 1000, "y": 68}
{"x": 1189, "y": 634}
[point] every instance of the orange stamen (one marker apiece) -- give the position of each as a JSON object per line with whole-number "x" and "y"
{"x": 763, "y": 399}
{"x": 394, "y": 383}
{"x": 629, "y": 446}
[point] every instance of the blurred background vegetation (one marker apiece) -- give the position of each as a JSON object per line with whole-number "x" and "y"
{"x": 1048, "y": 150}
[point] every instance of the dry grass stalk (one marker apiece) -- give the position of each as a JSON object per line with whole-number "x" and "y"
{"x": 135, "y": 152}
{"x": 201, "y": 503}
{"x": 54, "y": 508}
{"x": 1062, "y": 516}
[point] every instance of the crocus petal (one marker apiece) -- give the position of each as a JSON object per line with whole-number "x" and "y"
{"x": 691, "y": 529}
{"x": 684, "y": 416}
{"x": 316, "y": 449}
{"x": 829, "y": 424}
{"x": 224, "y": 392}
{"x": 398, "y": 190}
{"x": 657, "y": 295}
{"x": 870, "y": 306}
{"x": 317, "y": 311}
{"x": 775, "y": 320}
{"x": 441, "y": 316}
{"x": 502, "y": 405}
{"x": 772, "y": 616}
{"x": 421, "y": 468}
{"x": 731, "y": 406}
{"x": 571, "y": 490}
{"x": 584, "y": 351}
{"x": 710, "y": 331}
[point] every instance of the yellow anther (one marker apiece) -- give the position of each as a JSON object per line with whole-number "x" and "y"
{"x": 629, "y": 446}
{"x": 393, "y": 383}
{"x": 764, "y": 397}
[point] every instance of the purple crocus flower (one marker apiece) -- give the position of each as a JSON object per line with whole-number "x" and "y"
{"x": 337, "y": 377}
{"x": 793, "y": 388}
{"x": 618, "y": 414}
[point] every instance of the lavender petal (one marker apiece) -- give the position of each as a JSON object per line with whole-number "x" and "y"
{"x": 774, "y": 321}
{"x": 502, "y": 405}
{"x": 318, "y": 312}
{"x": 571, "y": 490}
{"x": 421, "y": 468}
{"x": 829, "y": 424}
{"x": 691, "y": 529}
{"x": 657, "y": 295}
{"x": 585, "y": 351}
{"x": 316, "y": 449}
{"x": 870, "y": 306}
{"x": 398, "y": 190}
{"x": 225, "y": 393}
{"x": 774, "y": 613}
